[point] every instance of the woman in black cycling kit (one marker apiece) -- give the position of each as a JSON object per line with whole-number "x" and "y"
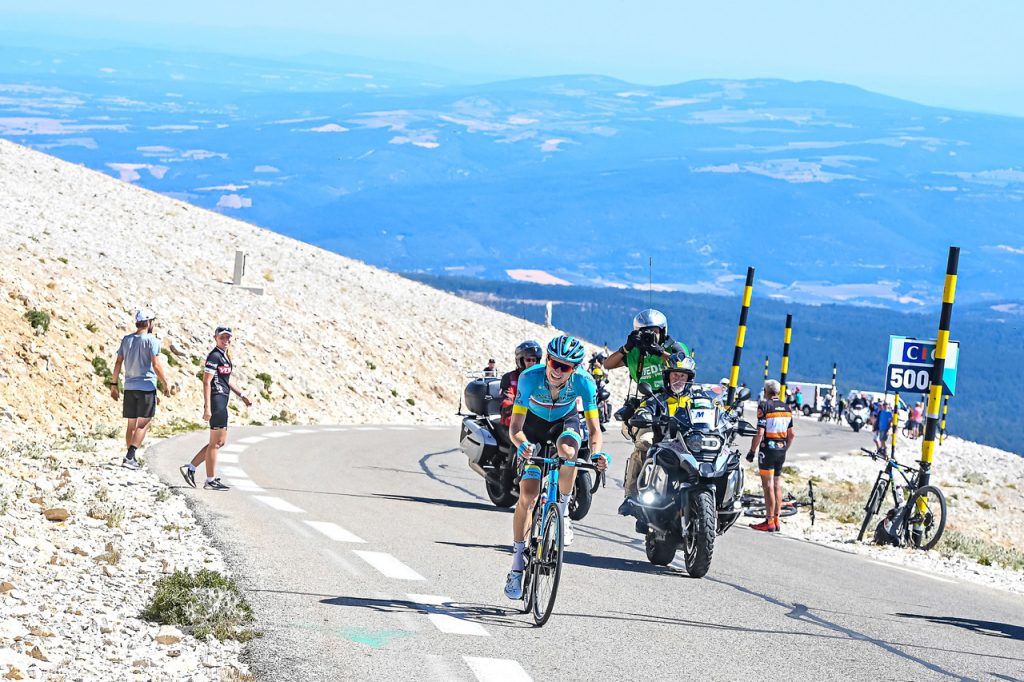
{"x": 217, "y": 389}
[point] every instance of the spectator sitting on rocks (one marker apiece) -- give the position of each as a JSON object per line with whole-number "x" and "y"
{"x": 139, "y": 354}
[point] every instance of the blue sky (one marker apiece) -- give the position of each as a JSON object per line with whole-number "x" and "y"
{"x": 965, "y": 55}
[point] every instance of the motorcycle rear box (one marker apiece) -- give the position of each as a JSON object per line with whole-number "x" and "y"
{"x": 477, "y": 395}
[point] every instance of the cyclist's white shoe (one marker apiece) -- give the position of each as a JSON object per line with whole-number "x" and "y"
{"x": 514, "y": 585}
{"x": 567, "y": 531}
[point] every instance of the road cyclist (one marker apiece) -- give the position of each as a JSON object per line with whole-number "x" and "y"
{"x": 773, "y": 439}
{"x": 545, "y": 411}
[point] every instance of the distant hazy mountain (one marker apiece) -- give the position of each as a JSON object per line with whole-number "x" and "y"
{"x": 834, "y": 193}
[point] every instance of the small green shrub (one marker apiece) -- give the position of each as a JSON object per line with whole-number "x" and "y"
{"x": 410, "y": 401}
{"x": 163, "y": 494}
{"x": 196, "y": 361}
{"x": 265, "y": 395}
{"x": 115, "y": 517}
{"x": 205, "y": 603}
{"x": 171, "y": 360}
{"x": 67, "y": 494}
{"x": 265, "y": 378}
{"x": 111, "y": 556}
{"x": 99, "y": 366}
{"x": 984, "y": 504}
{"x": 984, "y": 552}
{"x": 91, "y": 326}
{"x": 39, "y": 319}
{"x": 177, "y": 426}
{"x": 370, "y": 365}
{"x": 394, "y": 393}
{"x": 62, "y": 259}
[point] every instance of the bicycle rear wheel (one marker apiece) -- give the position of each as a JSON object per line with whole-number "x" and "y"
{"x": 547, "y": 567}
{"x": 926, "y": 518}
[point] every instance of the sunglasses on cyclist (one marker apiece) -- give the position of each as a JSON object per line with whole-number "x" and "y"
{"x": 560, "y": 366}
{"x": 530, "y": 361}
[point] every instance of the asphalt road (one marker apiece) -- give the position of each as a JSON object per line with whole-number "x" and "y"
{"x": 373, "y": 553}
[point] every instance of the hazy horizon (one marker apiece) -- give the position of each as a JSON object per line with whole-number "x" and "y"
{"x": 947, "y": 56}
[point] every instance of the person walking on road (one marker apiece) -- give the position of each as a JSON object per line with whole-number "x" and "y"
{"x": 217, "y": 389}
{"x": 773, "y": 439}
{"x": 139, "y": 354}
{"x": 883, "y": 420}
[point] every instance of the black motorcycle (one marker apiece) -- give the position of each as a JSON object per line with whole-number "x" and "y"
{"x": 485, "y": 442}
{"x": 689, "y": 488}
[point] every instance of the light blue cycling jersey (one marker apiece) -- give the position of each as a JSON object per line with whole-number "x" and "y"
{"x": 533, "y": 395}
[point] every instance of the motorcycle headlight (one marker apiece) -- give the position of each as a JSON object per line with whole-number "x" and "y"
{"x": 694, "y": 441}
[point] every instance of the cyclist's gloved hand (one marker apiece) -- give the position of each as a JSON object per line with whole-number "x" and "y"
{"x": 631, "y": 340}
{"x": 655, "y": 349}
{"x": 750, "y": 456}
{"x": 601, "y": 460}
{"x": 525, "y": 449}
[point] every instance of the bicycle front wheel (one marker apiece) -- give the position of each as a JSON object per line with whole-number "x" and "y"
{"x": 926, "y": 518}
{"x": 874, "y": 504}
{"x": 547, "y": 567}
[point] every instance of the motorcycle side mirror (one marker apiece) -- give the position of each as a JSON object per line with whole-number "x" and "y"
{"x": 646, "y": 390}
{"x": 641, "y": 421}
{"x": 745, "y": 428}
{"x": 742, "y": 395}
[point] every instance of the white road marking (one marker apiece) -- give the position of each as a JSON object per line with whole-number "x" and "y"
{"x": 334, "y": 531}
{"x": 366, "y": 428}
{"x": 401, "y": 428}
{"x": 227, "y": 457}
{"x": 439, "y": 428}
{"x": 275, "y": 434}
{"x": 297, "y": 527}
{"x": 334, "y": 429}
{"x": 389, "y": 565}
{"x": 496, "y": 669}
{"x": 303, "y": 431}
{"x": 245, "y": 485}
{"x": 232, "y": 448}
{"x": 348, "y": 566}
{"x": 252, "y": 439}
{"x": 446, "y": 622}
{"x": 911, "y": 570}
{"x": 233, "y": 472}
{"x": 278, "y": 504}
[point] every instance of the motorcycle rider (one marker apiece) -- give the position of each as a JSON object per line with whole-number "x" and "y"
{"x": 645, "y": 352}
{"x": 528, "y": 354}
{"x": 596, "y": 368}
{"x": 545, "y": 409}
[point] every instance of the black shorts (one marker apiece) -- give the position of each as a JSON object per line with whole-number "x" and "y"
{"x": 769, "y": 462}
{"x": 540, "y": 431}
{"x": 219, "y": 411}
{"x": 139, "y": 405}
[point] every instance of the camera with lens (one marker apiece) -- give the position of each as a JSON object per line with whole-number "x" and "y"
{"x": 647, "y": 339}
{"x": 628, "y": 409}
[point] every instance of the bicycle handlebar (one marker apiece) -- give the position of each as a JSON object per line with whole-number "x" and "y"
{"x": 887, "y": 459}
{"x": 559, "y": 461}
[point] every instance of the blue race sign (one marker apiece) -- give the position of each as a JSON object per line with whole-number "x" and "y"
{"x": 910, "y": 363}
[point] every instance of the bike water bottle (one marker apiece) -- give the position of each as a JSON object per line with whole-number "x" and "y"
{"x": 900, "y": 499}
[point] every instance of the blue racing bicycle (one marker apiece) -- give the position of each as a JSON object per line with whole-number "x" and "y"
{"x": 544, "y": 548}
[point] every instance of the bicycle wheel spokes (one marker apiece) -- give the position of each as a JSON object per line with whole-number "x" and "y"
{"x": 926, "y": 518}
{"x": 548, "y": 566}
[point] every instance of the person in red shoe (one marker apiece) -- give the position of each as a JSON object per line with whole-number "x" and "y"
{"x": 773, "y": 439}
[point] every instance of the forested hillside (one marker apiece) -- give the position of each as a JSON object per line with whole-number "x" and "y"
{"x": 854, "y": 337}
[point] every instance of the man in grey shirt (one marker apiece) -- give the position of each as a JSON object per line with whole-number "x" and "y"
{"x": 139, "y": 354}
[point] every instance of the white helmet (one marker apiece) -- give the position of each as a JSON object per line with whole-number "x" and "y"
{"x": 652, "y": 318}
{"x": 144, "y": 315}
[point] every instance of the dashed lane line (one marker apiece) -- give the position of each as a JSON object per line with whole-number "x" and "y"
{"x": 303, "y": 430}
{"x": 278, "y": 504}
{"x": 401, "y": 428}
{"x": 366, "y": 428}
{"x": 496, "y": 669}
{"x": 232, "y": 472}
{"x": 232, "y": 448}
{"x": 251, "y": 439}
{"x": 914, "y": 571}
{"x": 227, "y": 457}
{"x": 388, "y": 565}
{"x": 334, "y": 531}
{"x": 335, "y": 429}
{"x": 275, "y": 434}
{"x": 245, "y": 485}
{"x": 449, "y": 623}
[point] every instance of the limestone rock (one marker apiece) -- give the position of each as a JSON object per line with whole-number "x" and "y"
{"x": 56, "y": 514}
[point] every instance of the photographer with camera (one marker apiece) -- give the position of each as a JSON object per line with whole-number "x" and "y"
{"x": 645, "y": 353}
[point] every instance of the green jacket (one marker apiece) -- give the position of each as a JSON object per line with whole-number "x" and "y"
{"x": 653, "y": 364}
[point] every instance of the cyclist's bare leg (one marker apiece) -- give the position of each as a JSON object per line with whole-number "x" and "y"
{"x": 566, "y": 474}
{"x": 218, "y": 437}
{"x": 768, "y": 486}
{"x": 140, "y": 431}
{"x": 777, "y": 496}
{"x": 528, "y": 492}
{"x": 129, "y": 432}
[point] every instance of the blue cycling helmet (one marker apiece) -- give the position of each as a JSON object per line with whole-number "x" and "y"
{"x": 567, "y": 349}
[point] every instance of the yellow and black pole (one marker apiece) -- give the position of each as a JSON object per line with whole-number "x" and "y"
{"x": 785, "y": 356}
{"x": 942, "y": 424}
{"x": 939, "y": 367}
{"x": 895, "y": 422}
{"x": 766, "y": 368}
{"x": 741, "y": 334}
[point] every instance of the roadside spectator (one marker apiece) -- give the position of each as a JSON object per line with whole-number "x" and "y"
{"x": 217, "y": 389}
{"x": 491, "y": 370}
{"x": 139, "y": 354}
{"x": 773, "y": 439}
{"x": 915, "y": 418}
{"x": 883, "y": 420}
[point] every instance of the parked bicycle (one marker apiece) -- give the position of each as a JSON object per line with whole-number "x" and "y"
{"x": 544, "y": 546}
{"x": 918, "y": 515}
{"x": 753, "y": 505}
